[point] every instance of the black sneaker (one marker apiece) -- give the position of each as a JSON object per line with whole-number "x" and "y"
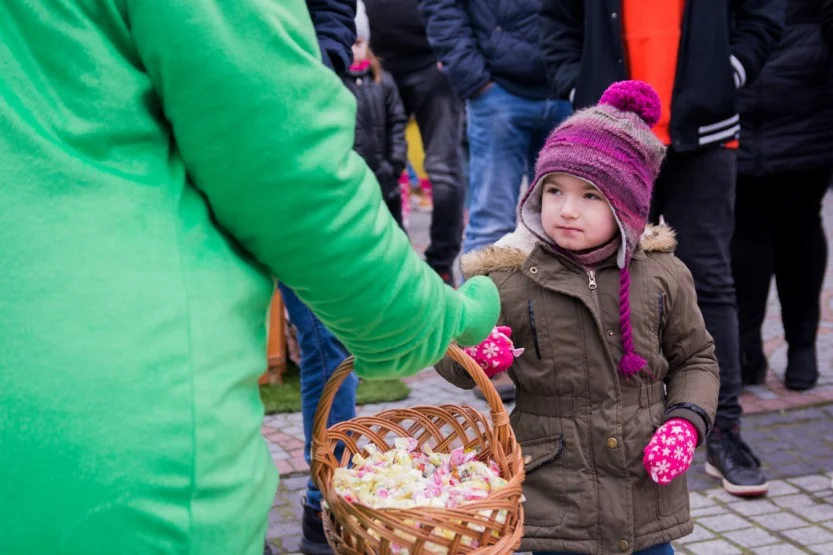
{"x": 313, "y": 540}
{"x": 731, "y": 460}
{"x": 802, "y": 369}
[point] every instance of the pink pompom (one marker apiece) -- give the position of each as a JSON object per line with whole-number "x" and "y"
{"x": 634, "y": 96}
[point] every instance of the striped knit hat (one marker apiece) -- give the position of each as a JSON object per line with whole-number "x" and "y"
{"x": 611, "y": 146}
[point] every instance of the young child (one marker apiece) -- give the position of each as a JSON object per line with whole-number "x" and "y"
{"x": 616, "y": 375}
{"x": 380, "y": 117}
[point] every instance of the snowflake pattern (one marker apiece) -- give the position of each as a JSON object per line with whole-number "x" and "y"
{"x": 490, "y": 350}
{"x": 670, "y": 451}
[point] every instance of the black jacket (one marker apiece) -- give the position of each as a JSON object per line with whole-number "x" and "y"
{"x": 723, "y": 46}
{"x": 479, "y": 41}
{"x": 787, "y": 114}
{"x": 335, "y": 28}
{"x": 380, "y": 127}
{"x": 827, "y": 21}
{"x": 397, "y": 35}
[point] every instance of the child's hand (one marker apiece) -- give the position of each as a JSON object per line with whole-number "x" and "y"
{"x": 496, "y": 353}
{"x": 670, "y": 451}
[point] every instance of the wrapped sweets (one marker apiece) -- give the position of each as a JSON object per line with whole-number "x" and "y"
{"x": 404, "y": 477}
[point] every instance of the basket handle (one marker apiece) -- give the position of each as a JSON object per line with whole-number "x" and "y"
{"x": 500, "y": 419}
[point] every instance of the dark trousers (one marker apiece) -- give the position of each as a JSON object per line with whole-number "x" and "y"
{"x": 695, "y": 192}
{"x": 779, "y": 232}
{"x": 427, "y": 95}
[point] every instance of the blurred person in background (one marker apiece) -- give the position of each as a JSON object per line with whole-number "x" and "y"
{"x": 398, "y": 38}
{"x": 380, "y": 117}
{"x": 489, "y": 50}
{"x": 784, "y": 167}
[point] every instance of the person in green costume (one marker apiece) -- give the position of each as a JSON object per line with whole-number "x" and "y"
{"x": 162, "y": 163}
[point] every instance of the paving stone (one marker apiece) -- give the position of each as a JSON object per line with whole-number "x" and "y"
{"x": 779, "y": 549}
{"x": 793, "y": 501}
{"x": 816, "y": 513}
{"x": 780, "y": 487}
{"x": 779, "y": 521}
{"x": 295, "y": 483}
{"x": 713, "y": 547}
{"x": 698, "y": 534}
{"x": 720, "y": 494}
{"x": 709, "y": 511}
{"x": 754, "y": 507}
{"x": 812, "y": 484}
{"x": 724, "y": 523}
{"x": 809, "y": 535}
{"x": 751, "y": 537}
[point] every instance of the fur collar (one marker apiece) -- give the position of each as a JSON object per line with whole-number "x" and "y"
{"x": 512, "y": 250}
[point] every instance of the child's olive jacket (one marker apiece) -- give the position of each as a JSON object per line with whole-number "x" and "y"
{"x": 581, "y": 424}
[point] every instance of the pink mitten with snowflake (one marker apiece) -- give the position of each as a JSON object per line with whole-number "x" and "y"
{"x": 670, "y": 451}
{"x": 496, "y": 353}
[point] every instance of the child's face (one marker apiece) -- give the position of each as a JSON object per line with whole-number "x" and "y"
{"x": 575, "y": 214}
{"x": 360, "y": 50}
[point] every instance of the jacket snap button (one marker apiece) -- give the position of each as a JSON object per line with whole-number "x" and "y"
{"x": 498, "y": 28}
{"x": 610, "y": 333}
{"x": 612, "y": 443}
{"x": 614, "y": 15}
{"x": 533, "y": 270}
{"x": 527, "y": 459}
{"x": 624, "y": 546}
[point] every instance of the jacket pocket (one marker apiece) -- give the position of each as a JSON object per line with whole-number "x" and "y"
{"x": 660, "y": 320}
{"x": 673, "y": 498}
{"x": 531, "y": 310}
{"x": 544, "y": 467}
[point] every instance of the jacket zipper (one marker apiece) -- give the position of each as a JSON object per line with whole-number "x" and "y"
{"x": 591, "y": 283}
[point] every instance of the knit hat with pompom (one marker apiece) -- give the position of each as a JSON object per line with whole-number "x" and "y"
{"x": 611, "y": 146}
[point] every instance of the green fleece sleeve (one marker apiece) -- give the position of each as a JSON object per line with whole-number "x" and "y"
{"x": 266, "y": 133}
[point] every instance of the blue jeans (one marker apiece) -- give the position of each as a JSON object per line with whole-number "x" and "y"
{"x": 321, "y": 353}
{"x": 506, "y": 133}
{"x": 661, "y": 549}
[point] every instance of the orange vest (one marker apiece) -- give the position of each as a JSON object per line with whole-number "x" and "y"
{"x": 651, "y": 30}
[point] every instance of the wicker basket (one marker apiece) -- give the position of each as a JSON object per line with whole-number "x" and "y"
{"x": 493, "y": 525}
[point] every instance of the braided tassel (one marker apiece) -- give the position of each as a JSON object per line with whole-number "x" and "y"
{"x": 631, "y": 362}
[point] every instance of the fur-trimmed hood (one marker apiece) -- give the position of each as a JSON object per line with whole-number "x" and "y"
{"x": 512, "y": 250}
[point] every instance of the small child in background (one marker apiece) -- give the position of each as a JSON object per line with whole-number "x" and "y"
{"x": 616, "y": 375}
{"x": 380, "y": 117}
